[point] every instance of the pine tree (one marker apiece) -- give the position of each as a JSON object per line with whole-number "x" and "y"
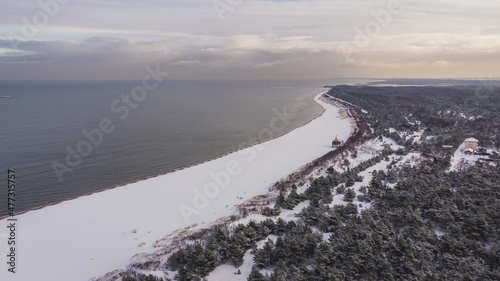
{"x": 282, "y": 201}
{"x": 237, "y": 254}
{"x": 350, "y": 181}
{"x": 346, "y": 163}
{"x": 349, "y": 195}
{"x": 150, "y": 277}
{"x": 195, "y": 259}
{"x": 210, "y": 262}
{"x": 340, "y": 189}
{"x": 276, "y": 210}
{"x": 263, "y": 257}
{"x": 279, "y": 275}
{"x": 293, "y": 199}
{"x": 269, "y": 224}
{"x": 255, "y": 275}
{"x": 218, "y": 243}
{"x": 182, "y": 275}
{"x": 330, "y": 170}
{"x": 281, "y": 226}
{"x": 279, "y": 253}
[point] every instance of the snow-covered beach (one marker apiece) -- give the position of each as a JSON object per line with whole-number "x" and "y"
{"x": 92, "y": 235}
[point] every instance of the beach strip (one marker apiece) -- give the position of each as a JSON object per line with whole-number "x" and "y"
{"x": 92, "y": 235}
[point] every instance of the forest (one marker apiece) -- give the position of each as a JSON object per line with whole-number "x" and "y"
{"x": 426, "y": 222}
{"x": 449, "y": 114}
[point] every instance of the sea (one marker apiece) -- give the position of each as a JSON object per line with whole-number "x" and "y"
{"x": 65, "y": 139}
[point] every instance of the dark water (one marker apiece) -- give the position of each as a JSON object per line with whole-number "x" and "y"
{"x": 178, "y": 124}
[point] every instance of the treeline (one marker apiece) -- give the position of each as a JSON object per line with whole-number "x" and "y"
{"x": 450, "y": 114}
{"x": 196, "y": 261}
{"x": 432, "y": 225}
{"x": 321, "y": 189}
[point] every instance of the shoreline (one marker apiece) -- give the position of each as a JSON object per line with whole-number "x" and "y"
{"x": 168, "y": 172}
{"x": 103, "y": 232}
{"x": 359, "y": 131}
{"x": 255, "y": 205}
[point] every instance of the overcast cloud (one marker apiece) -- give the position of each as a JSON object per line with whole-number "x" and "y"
{"x": 191, "y": 39}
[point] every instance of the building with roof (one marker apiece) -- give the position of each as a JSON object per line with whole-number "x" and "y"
{"x": 336, "y": 142}
{"x": 470, "y": 144}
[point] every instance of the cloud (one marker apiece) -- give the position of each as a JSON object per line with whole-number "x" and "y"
{"x": 186, "y": 62}
{"x": 111, "y": 39}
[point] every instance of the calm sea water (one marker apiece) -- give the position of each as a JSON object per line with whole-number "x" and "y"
{"x": 178, "y": 124}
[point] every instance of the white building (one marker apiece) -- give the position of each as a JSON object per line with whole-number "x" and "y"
{"x": 470, "y": 144}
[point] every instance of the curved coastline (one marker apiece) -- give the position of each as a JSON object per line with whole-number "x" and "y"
{"x": 104, "y": 231}
{"x": 168, "y": 172}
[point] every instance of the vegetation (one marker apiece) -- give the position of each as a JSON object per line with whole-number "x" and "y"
{"x": 433, "y": 225}
{"x": 141, "y": 277}
{"x": 425, "y": 222}
{"x": 448, "y": 114}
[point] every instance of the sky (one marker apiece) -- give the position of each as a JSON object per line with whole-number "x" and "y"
{"x": 245, "y": 39}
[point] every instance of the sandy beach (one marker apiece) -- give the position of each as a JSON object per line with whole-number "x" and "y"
{"x": 89, "y": 236}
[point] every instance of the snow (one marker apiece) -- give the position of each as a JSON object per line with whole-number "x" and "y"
{"x": 226, "y": 272}
{"x": 365, "y": 152}
{"x": 417, "y": 136}
{"x": 367, "y": 177}
{"x": 410, "y": 159}
{"x": 460, "y": 159}
{"x": 289, "y": 215}
{"x": 392, "y": 143}
{"x": 438, "y": 232}
{"x": 92, "y": 235}
{"x": 456, "y": 159}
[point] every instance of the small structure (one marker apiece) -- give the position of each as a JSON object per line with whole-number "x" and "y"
{"x": 336, "y": 142}
{"x": 469, "y": 151}
{"x": 471, "y": 143}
